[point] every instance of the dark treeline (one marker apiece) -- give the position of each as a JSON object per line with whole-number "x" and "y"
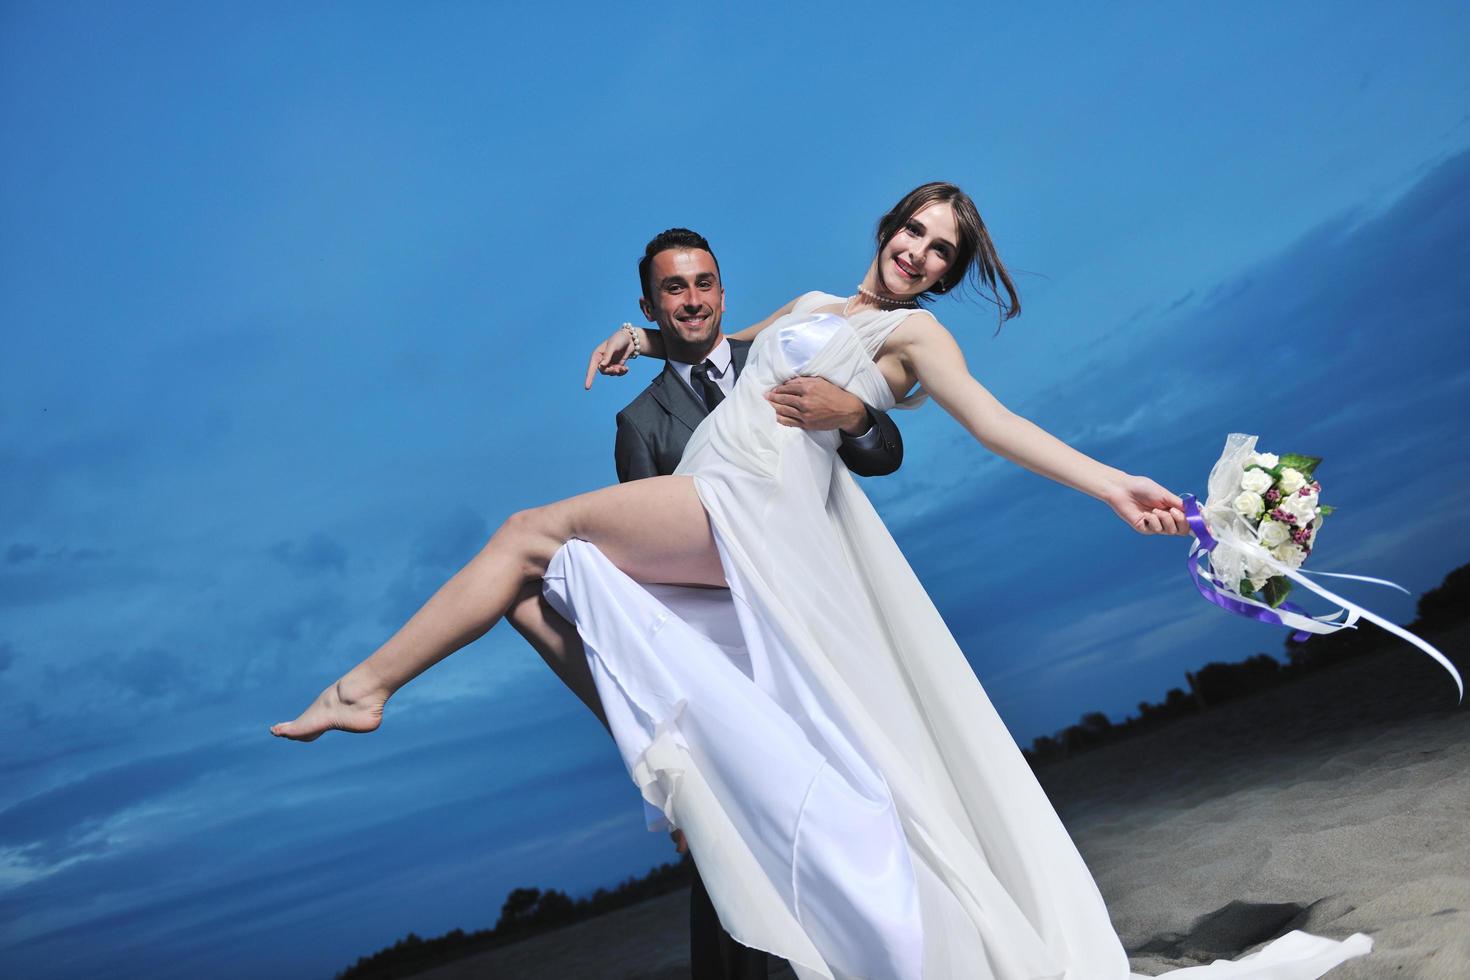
{"x": 1214, "y": 683}
{"x": 526, "y": 912}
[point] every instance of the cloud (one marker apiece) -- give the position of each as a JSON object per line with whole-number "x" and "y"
{"x": 319, "y": 552}
{"x": 27, "y": 717}
{"x": 49, "y": 824}
{"x": 63, "y": 574}
{"x": 18, "y": 553}
{"x": 314, "y": 615}
{"x": 1179, "y": 302}
{"x": 149, "y": 673}
{"x": 103, "y": 685}
{"x": 1081, "y": 637}
{"x": 55, "y": 468}
{"x": 440, "y": 550}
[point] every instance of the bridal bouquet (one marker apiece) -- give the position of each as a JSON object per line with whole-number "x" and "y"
{"x": 1277, "y": 499}
{"x": 1256, "y": 528}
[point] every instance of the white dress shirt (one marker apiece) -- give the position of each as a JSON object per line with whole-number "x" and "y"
{"x": 721, "y": 374}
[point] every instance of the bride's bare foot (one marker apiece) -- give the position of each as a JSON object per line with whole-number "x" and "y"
{"x": 345, "y": 706}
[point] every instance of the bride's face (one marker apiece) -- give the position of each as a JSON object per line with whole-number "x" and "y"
{"x": 920, "y": 252}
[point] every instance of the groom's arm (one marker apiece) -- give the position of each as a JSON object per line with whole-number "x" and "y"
{"x": 878, "y": 452}
{"x": 871, "y": 444}
{"x": 632, "y": 454}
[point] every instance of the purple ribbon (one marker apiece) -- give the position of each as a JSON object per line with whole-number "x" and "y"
{"x": 1207, "y": 588}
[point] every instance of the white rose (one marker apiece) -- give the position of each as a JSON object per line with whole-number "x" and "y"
{"x": 1249, "y": 505}
{"x": 1289, "y": 554}
{"x": 1256, "y": 481}
{"x": 1291, "y": 480}
{"x": 1273, "y": 533}
{"x": 1267, "y": 460}
{"x": 1302, "y": 508}
{"x": 1258, "y": 572}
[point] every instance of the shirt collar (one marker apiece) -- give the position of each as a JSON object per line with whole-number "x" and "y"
{"x": 721, "y": 356}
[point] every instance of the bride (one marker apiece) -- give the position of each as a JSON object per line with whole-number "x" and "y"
{"x": 853, "y": 801}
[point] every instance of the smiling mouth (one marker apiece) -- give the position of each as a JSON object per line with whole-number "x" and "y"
{"x": 695, "y": 320}
{"x": 905, "y": 268}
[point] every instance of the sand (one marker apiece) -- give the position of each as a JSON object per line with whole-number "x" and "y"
{"x": 1345, "y": 793}
{"x": 1335, "y": 804}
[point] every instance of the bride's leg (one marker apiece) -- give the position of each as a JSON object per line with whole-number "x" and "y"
{"x": 557, "y": 642}
{"x": 655, "y": 530}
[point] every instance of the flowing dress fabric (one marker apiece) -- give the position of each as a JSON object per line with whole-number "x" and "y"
{"x": 853, "y": 801}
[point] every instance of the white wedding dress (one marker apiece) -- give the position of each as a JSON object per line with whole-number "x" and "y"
{"x": 854, "y": 803}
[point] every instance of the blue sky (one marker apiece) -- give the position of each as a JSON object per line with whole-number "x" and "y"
{"x": 296, "y": 301}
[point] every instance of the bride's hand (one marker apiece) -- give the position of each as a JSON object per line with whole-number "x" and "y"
{"x": 610, "y": 357}
{"x": 1147, "y": 507}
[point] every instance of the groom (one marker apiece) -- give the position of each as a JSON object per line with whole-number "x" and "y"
{"x": 683, "y": 295}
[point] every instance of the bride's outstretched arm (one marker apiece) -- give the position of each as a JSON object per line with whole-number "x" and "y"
{"x": 930, "y": 353}
{"x": 612, "y": 355}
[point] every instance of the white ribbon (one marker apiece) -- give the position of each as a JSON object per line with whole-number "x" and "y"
{"x": 1323, "y": 624}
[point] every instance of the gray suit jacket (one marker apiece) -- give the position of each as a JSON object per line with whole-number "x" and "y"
{"x": 655, "y": 427}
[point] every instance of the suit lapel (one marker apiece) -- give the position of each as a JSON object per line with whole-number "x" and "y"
{"x": 738, "y": 350}
{"x": 670, "y": 391}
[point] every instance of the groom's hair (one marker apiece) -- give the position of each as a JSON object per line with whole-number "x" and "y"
{"x": 674, "y": 238}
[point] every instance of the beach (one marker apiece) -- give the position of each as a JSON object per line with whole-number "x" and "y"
{"x": 1344, "y": 793}
{"x": 1335, "y": 803}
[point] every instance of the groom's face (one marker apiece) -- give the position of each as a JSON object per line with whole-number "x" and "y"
{"x": 688, "y": 299}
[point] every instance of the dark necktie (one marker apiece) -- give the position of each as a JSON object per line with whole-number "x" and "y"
{"x": 706, "y": 385}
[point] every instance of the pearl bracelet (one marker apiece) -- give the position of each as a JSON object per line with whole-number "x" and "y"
{"x": 633, "y": 336}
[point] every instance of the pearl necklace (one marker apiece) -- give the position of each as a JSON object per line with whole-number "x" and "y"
{"x": 877, "y": 298}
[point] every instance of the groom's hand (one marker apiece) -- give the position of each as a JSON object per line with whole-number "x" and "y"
{"x": 818, "y": 405}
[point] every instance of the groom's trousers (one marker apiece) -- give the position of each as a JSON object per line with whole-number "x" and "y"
{"x": 713, "y": 955}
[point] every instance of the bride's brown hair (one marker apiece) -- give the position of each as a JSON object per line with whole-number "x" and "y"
{"x": 975, "y": 254}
